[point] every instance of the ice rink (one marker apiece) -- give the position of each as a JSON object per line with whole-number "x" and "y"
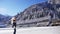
{"x": 32, "y": 30}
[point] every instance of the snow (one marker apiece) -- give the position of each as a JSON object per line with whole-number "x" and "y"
{"x": 32, "y": 30}
{"x": 6, "y": 31}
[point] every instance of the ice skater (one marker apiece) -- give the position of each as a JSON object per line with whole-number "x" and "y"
{"x": 13, "y": 21}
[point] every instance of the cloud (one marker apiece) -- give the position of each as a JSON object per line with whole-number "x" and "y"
{"x": 3, "y": 10}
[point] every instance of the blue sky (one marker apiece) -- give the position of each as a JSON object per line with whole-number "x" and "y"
{"x": 12, "y": 7}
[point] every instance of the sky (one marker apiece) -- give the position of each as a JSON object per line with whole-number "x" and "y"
{"x": 12, "y": 7}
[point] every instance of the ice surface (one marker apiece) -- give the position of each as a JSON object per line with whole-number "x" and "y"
{"x": 32, "y": 30}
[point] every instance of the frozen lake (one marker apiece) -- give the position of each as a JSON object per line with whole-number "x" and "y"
{"x": 32, "y": 30}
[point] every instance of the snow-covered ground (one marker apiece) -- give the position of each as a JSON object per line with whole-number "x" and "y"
{"x": 32, "y": 30}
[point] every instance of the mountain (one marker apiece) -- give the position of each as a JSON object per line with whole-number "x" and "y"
{"x": 41, "y": 9}
{"x": 4, "y": 20}
{"x": 37, "y": 11}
